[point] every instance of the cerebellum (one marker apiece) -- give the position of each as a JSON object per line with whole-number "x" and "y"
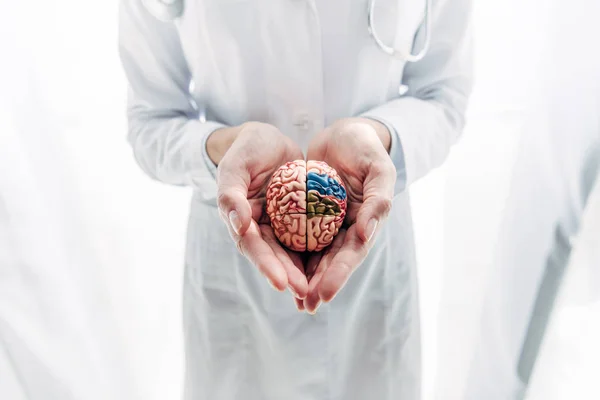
{"x": 306, "y": 202}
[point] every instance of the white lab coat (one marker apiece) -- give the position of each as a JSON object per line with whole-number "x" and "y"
{"x": 298, "y": 65}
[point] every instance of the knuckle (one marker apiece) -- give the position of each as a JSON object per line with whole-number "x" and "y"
{"x": 224, "y": 200}
{"x": 391, "y": 169}
{"x": 385, "y": 167}
{"x": 384, "y": 205}
{"x": 256, "y": 126}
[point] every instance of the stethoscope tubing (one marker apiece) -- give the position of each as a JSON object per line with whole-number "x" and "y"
{"x": 168, "y": 10}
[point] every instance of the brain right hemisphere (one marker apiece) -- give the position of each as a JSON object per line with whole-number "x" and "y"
{"x": 306, "y": 203}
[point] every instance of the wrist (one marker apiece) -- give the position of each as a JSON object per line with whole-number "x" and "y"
{"x": 219, "y": 141}
{"x": 382, "y": 131}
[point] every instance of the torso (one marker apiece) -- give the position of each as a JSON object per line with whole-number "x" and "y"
{"x": 298, "y": 65}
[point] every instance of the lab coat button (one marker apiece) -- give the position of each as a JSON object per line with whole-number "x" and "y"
{"x": 302, "y": 121}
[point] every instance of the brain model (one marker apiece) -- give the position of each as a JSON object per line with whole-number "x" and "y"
{"x": 306, "y": 202}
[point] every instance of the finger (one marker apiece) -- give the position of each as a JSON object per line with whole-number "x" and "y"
{"x": 312, "y": 263}
{"x": 298, "y": 261}
{"x": 347, "y": 258}
{"x": 294, "y": 152}
{"x": 259, "y": 212}
{"x": 351, "y": 213}
{"x": 232, "y": 193}
{"x": 378, "y": 190}
{"x": 258, "y": 252}
{"x": 292, "y": 264}
{"x": 299, "y": 304}
{"x": 313, "y": 300}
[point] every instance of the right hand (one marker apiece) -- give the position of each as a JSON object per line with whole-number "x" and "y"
{"x": 247, "y": 156}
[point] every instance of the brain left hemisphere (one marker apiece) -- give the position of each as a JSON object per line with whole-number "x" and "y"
{"x": 287, "y": 198}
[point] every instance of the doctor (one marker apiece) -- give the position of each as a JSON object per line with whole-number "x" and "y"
{"x": 222, "y": 92}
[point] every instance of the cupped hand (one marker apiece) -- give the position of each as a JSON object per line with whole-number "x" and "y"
{"x": 247, "y": 156}
{"x": 357, "y": 149}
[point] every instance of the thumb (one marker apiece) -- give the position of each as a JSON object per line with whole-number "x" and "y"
{"x": 372, "y": 211}
{"x": 317, "y": 147}
{"x": 232, "y": 198}
{"x": 377, "y": 202}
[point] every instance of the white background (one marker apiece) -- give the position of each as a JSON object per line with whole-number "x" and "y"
{"x": 91, "y": 250}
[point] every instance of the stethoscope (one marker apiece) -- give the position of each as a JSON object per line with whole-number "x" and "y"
{"x": 168, "y": 10}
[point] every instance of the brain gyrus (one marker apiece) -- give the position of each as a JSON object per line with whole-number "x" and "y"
{"x": 306, "y": 202}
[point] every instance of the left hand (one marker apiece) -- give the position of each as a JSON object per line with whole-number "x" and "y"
{"x": 357, "y": 148}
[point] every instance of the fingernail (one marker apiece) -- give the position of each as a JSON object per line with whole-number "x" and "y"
{"x": 234, "y": 220}
{"x": 371, "y": 227}
{"x": 271, "y": 284}
{"x": 313, "y": 312}
{"x": 293, "y": 292}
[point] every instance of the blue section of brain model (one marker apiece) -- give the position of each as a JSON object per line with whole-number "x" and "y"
{"x": 325, "y": 185}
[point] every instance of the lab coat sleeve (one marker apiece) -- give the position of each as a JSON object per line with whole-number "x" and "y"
{"x": 168, "y": 139}
{"x": 429, "y": 118}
